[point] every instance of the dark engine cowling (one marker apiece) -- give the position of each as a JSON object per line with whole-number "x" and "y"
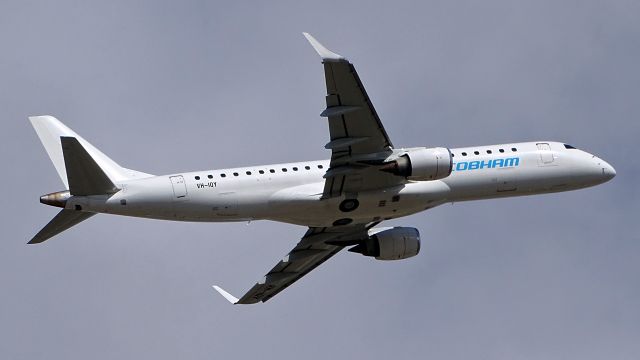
{"x": 422, "y": 164}
{"x": 390, "y": 244}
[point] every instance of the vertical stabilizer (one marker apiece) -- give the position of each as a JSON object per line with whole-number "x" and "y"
{"x": 50, "y": 130}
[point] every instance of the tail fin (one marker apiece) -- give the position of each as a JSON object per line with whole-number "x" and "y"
{"x": 50, "y": 131}
{"x": 84, "y": 170}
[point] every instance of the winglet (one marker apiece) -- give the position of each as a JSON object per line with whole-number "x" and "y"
{"x": 230, "y": 298}
{"x": 325, "y": 54}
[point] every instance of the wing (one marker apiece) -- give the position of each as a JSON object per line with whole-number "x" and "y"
{"x": 315, "y": 247}
{"x": 359, "y": 141}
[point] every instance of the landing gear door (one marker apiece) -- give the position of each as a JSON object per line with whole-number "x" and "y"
{"x": 179, "y": 187}
{"x": 506, "y": 181}
{"x": 546, "y": 156}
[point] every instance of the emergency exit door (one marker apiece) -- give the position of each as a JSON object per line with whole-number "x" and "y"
{"x": 546, "y": 156}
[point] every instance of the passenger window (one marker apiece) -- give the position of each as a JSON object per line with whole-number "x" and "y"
{"x": 197, "y": 177}
{"x": 464, "y": 154}
{"x": 514, "y": 149}
{"x": 284, "y": 169}
{"x": 319, "y": 166}
{"x": 489, "y": 151}
{"x": 272, "y": 171}
{"x": 210, "y": 176}
{"x": 501, "y": 150}
{"x": 223, "y": 175}
{"x": 261, "y": 171}
{"x": 295, "y": 168}
{"x": 235, "y": 174}
{"x": 476, "y": 152}
{"x": 248, "y": 172}
{"x": 453, "y": 155}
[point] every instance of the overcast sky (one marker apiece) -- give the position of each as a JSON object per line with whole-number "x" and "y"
{"x": 188, "y": 85}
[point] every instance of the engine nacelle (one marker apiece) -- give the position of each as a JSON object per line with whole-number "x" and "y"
{"x": 422, "y": 164}
{"x": 390, "y": 243}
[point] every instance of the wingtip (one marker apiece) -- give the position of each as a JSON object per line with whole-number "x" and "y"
{"x": 325, "y": 54}
{"x": 230, "y": 298}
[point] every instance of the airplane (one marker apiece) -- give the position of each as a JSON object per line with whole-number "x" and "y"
{"x": 341, "y": 200}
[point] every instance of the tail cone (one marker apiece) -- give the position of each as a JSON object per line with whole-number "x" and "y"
{"x": 57, "y": 199}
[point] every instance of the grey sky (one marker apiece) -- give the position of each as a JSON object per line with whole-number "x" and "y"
{"x": 165, "y": 87}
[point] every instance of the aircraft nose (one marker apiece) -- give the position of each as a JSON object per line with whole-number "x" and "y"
{"x": 605, "y": 171}
{"x": 608, "y": 171}
{"x": 596, "y": 171}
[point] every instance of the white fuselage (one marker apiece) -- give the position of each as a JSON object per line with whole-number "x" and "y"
{"x": 292, "y": 192}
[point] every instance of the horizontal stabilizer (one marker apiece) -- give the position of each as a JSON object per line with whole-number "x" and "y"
{"x": 84, "y": 174}
{"x": 64, "y": 220}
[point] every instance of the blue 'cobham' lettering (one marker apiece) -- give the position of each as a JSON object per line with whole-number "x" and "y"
{"x": 512, "y": 162}
{"x": 487, "y": 164}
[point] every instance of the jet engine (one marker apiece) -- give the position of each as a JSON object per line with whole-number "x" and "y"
{"x": 390, "y": 243}
{"x": 422, "y": 164}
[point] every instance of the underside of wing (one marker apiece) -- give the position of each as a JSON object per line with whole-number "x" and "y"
{"x": 358, "y": 141}
{"x": 315, "y": 247}
{"x": 354, "y": 125}
{"x": 360, "y": 149}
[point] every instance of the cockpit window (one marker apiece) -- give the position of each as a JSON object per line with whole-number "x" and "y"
{"x": 567, "y": 146}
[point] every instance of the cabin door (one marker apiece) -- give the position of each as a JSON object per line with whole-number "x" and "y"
{"x": 179, "y": 187}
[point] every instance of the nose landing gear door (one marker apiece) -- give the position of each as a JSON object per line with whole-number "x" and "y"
{"x": 546, "y": 156}
{"x": 179, "y": 187}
